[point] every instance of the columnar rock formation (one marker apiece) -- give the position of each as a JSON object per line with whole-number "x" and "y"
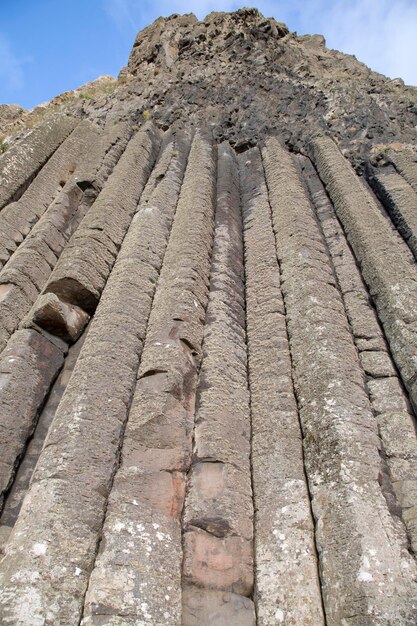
{"x": 208, "y": 366}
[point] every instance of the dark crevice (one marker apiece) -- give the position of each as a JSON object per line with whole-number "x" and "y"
{"x": 153, "y": 372}
{"x": 254, "y": 552}
{"x": 215, "y": 526}
{"x": 188, "y": 345}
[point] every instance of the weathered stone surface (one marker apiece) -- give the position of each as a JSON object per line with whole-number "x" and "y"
{"x": 83, "y": 269}
{"x": 104, "y": 153}
{"x": 406, "y": 164}
{"x": 286, "y": 569}
{"x": 59, "y": 318}
{"x": 18, "y": 218}
{"x": 233, "y": 442}
{"x": 366, "y": 572}
{"x": 222, "y": 431}
{"x": 400, "y": 200}
{"x": 248, "y": 77}
{"x": 388, "y": 398}
{"x": 385, "y": 265}
{"x": 377, "y": 364}
{"x": 24, "y": 472}
{"x": 224, "y": 563}
{"x": 219, "y": 500}
{"x": 28, "y": 367}
{"x": 56, "y": 226}
{"x": 10, "y": 112}
{"x": 22, "y": 161}
{"x": 30, "y": 266}
{"x": 141, "y": 577}
{"x": 216, "y": 608}
{"x": 85, "y": 436}
{"x": 218, "y": 515}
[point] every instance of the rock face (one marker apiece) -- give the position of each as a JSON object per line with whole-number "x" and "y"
{"x": 251, "y": 76}
{"x": 246, "y": 77}
{"x": 208, "y": 366}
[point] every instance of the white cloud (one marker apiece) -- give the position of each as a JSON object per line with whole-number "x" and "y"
{"x": 381, "y": 33}
{"x": 121, "y": 12}
{"x": 11, "y": 67}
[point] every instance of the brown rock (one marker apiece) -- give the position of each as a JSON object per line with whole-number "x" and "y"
{"x": 216, "y": 608}
{"x": 65, "y": 320}
{"x": 341, "y": 442}
{"x": 158, "y": 438}
{"x": 83, "y": 269}
{"x": 223, "y": 563}
{"x": 286, "y": 564}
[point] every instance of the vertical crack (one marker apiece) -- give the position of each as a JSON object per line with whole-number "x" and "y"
{"x": 255, "y": 583}
{"x": 118, "y": 453}
{"x": 385, "y": 479}
{"x": 319, "y": 574}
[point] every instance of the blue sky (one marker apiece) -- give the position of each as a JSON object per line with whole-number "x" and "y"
{"x": 50, "y": 46}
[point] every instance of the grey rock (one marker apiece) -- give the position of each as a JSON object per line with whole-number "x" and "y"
{"x": 340, "y": 431}
{"x": 22, "y": 161}
{"x": 28, "y": 368}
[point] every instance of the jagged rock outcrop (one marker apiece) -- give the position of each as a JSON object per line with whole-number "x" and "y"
{"x": 246, "y": 76}
{"x": 208, "y": 356}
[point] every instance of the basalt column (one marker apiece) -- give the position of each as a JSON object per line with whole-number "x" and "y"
{"x": 218, "y": 571}
{"x": 366, "y": 574}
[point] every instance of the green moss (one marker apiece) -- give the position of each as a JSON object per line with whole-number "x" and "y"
{"x": 85, "y": 95}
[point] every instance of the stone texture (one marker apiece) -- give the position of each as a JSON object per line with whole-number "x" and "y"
{"x": 22, "y": 161}
{"x": 18, "y": 218}
{"x": 83, "y": 269}
{"x": 138, "y": 572}
{"x": 25, "y": 469}
{"x": 388, "y": 399}
{"x": 30, "y": 266}
{"x": 218, "y": 515}
{"x": 231, "y": 440}
{"x": 223, "y": 563}
{"x": 85, "y": 435}
{"x": 104, "y": 153}
{"x": 406, "y": 163}
{"x": 367, "y": 574}
{"x": 399, "y": 199}
{"x": 28, "y": 367}
{"x": 248, "y": 76}
{"x": 286, "y": 569}
{"x": 216, "y": 608}
{"x": 385, "y": 265}
{"x": 67, "y": 321}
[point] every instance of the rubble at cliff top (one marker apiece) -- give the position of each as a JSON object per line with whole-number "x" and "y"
{"x": 246, "y": 76}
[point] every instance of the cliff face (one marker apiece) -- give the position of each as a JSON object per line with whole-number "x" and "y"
{"x": 246, "y": 77}
{"x": 208, "y": 348}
